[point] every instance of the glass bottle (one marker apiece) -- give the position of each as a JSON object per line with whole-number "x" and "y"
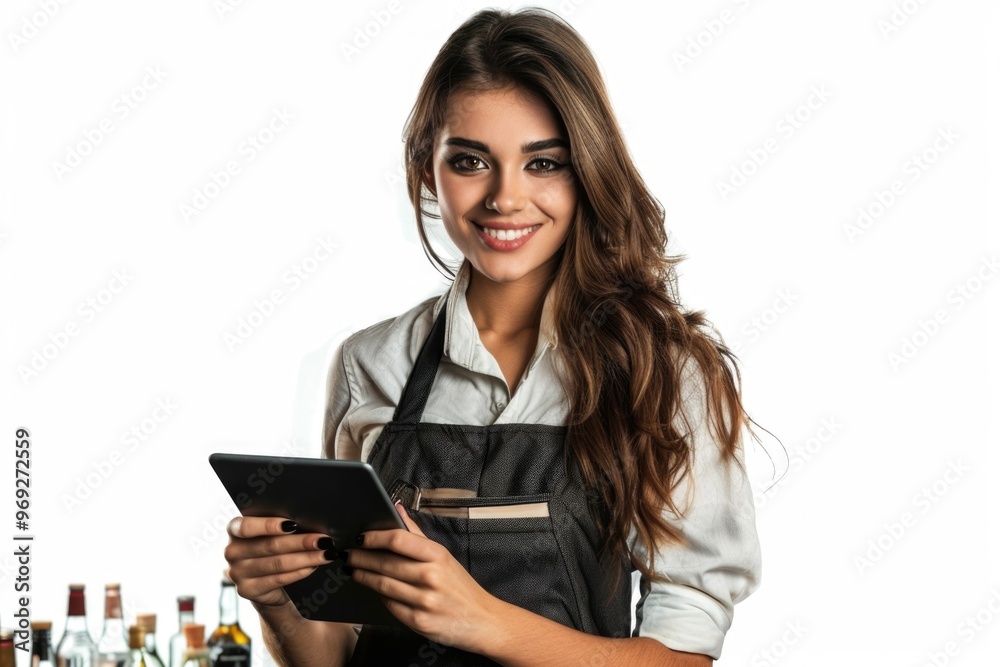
{"x": 7, "y": 648}
{"x": 41, "y": 644}
{"x": 148, "y": 624}
{"x": 77, "y": 647}
{"x": 185, "y": 614}
{"x": 136, "y": 647}
{"x": 196, "y": 653}
{"x": 229, "y": 645}
{"x": 112, "y": 648}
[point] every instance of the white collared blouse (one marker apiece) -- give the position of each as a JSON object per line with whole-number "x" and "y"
{"x": 722, "y": 563}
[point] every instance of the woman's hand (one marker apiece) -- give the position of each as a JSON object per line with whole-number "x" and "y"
{"x": 265, "y": 554}
{"x": 423, "y": 585}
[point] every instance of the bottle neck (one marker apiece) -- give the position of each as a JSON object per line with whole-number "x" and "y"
{"x": 76, "y": 617}
{"x": 150, "y": 642}
{"x": 76, "y": 623}
{"x": 114, "y": 627}
{"x": 112, "y": 606}
{"x": 41, "y": 644}
{"x": 228, "y": 613}
{"x": 184, "y": 617}
{"x": 76, "y": 604}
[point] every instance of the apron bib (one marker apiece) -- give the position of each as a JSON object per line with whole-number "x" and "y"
{"x": 546, "y": 564}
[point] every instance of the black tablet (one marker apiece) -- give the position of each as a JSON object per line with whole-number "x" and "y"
{"x": 338, "y": 498}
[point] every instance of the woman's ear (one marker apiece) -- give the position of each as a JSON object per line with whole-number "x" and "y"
{"x": 428, "y": 178}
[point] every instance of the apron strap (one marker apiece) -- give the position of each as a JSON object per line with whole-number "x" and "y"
{"x": 418, "y": 384}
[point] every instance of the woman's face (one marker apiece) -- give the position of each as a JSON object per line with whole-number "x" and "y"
{"x": 502, "y": 161}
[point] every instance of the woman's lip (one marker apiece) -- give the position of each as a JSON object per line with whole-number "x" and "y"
{"x": 505, "y": 226}
{"x": 497, "y": 244}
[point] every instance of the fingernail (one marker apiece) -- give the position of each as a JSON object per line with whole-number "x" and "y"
{"x": 289, "y": 526}
{"x": 324, "y": 543}
{"x": 360, "y": 539}
{"x": 330, "y": 554}
{"x": 342, "y": 555}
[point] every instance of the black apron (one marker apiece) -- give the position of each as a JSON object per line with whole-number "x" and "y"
{"x": 547, "y": 565}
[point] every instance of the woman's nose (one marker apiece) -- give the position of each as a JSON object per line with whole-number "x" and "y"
{"x": 507, "y": 192}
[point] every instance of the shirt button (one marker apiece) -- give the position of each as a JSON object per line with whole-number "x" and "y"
{"x": 499, "y": 406}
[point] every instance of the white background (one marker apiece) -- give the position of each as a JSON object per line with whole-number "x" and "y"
{"x": 815, "y": 311}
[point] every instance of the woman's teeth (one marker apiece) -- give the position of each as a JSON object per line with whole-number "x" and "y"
{"x": 509, "y": 234}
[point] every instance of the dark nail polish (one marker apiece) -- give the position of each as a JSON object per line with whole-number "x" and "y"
{"x": 347, "y": 569}
{"x": 342, "y": 556}
{"x": 330, "y": 554}
{"x": 324, "y": 543}
{"x": 289, "y": 526}
{"x": 360, "y": 539}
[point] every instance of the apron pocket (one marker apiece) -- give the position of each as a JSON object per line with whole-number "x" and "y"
{"x": 518, "y": 560}
{"x": 508, "y": 544}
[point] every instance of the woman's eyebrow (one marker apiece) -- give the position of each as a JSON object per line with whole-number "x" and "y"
{"x": 530, "y": 147}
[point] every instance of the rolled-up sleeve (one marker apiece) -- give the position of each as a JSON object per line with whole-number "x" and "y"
{"x": 721, "y": 564}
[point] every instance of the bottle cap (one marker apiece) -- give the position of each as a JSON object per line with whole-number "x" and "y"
{"x": 112, "y": 587}
{"x": 146, "y": 621}
{"x": 6, "y": 634}
{"x": 194, "y": 633}
{"x": 41, "y": 625}
{"x": 76, "y": 587}
{"x": 185, "y": 603}
{"x": 136, "y": 636}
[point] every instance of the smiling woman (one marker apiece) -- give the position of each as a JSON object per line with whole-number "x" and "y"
{"x": 555, "y": 420}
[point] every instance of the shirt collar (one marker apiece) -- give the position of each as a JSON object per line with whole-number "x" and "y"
{"x": 461, "y": 339}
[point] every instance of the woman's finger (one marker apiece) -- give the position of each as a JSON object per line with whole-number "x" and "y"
{"x": 268, "y": 590}
{"x": 401, "y": 542}
{"x": 257, "y": 526}
{"x": 389, "y": 587}
{"x": 251, "y": 568}
{"x": 388, "y": 563}
{"x": 407, "y": 521}
{"x": 257, "y": 547}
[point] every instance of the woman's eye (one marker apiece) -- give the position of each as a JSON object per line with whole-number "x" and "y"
{"x": 545, "y": 165}
{"x": 467, "y": 162}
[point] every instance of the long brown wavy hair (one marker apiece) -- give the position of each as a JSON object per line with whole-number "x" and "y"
{"x": 623, "y": 335}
